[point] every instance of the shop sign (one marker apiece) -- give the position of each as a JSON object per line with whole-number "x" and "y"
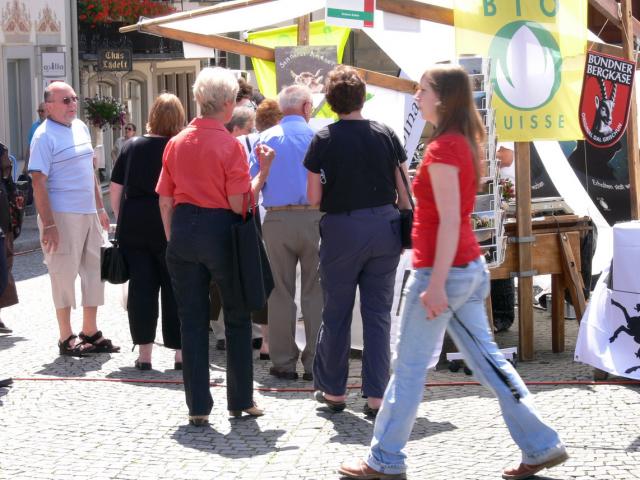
{"x": 115, "y": 60}
{"x": 350, "y": 13}
{"x": 53, "y": 64}
{"x": 605, "y": 99}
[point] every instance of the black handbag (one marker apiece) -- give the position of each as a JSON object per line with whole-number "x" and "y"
{"x": 252, "y": 276}
{"x": 113, "y": 267}
{"x": 406, "y": 216}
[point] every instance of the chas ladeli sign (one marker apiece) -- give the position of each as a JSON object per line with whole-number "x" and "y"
{"x": 115, "y": 60}
{"x": 537, "y": 57}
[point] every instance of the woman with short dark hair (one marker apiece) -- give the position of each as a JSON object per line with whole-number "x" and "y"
{"x": 141, "y": 234}
{"x": 353, "y": 175}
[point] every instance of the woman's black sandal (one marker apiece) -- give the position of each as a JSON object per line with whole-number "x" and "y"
{"x": 331, "y": 404}
{"x": 77, "y": 350}
{"x": 104, "y": 346}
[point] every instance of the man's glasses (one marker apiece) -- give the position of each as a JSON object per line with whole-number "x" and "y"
{"x": 40, "y": 111}
{"x": 129, "y": 129}
{"x": 68, "y": 100}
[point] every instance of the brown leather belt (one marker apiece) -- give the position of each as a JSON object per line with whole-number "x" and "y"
{"x": 290, "y": 207}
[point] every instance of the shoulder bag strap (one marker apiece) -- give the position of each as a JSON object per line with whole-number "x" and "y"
{"x": 406, "y": 183}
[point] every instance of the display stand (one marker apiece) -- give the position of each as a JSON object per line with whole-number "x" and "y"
{"x": 555, "y": 250}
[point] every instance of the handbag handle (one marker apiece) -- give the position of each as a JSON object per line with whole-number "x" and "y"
{"x": 248, "y": 197}
{"x": 406, "y": 183}
{"x": 124, "y": 193}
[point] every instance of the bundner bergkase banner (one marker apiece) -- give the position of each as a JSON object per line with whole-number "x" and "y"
{"x": 605, "y": 99}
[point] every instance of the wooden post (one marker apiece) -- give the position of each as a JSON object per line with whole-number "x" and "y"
{"x": 523, "y": 221}
{"x": 633, "y": 156}
{"x": 303, "y": 29}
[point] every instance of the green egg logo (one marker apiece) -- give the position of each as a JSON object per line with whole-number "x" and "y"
{"x": 527, "y": 65}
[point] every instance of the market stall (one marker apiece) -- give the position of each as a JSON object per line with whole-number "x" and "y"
{"x": 397, "y": 24}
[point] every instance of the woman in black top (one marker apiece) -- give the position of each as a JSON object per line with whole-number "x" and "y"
{"x": 354, "y": 177}
{"x": 142, "y": 236}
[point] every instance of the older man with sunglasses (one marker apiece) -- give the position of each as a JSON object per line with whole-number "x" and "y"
{"x": 70, "y": 213}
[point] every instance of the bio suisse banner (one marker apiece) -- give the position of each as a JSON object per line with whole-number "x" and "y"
{"x": 537, "y": 54}
{"x": 606, "y": 97}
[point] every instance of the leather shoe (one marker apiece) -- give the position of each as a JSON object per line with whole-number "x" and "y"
{"x": 142, "y": 365}
{"x": 282, "y": 374}
{"x": 360, "y": 470}
{"x": 254, "y": 411}
{"x": 307, "y": 376}
{"x": 370, "y": 412}
{"x": 331, "y": 404}
{"x": 524, "y": 470}
{"x": 199, "y": 420}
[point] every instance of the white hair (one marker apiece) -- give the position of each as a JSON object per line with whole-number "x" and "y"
{"x": 241, "y": 116}
{"x": 213, "y": 87}
{"x": 293, "y": 96}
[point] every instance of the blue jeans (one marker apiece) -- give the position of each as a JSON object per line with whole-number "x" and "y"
{"x": 200, "y": 251}
{"x": 466, "y": 289}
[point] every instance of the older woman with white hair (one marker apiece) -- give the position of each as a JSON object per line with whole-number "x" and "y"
{"x": 203, "y": 180}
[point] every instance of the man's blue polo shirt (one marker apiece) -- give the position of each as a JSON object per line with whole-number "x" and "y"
{"x": 287, "y": 180}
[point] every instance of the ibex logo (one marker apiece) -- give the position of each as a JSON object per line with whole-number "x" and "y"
{"x": 604, "y": 110}
{"x": 604, "y": 104}
{"x": 527, "y": 65}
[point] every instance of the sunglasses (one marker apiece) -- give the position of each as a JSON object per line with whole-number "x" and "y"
{"x": 130, "y": 129}
{"x": 68, "y": 100}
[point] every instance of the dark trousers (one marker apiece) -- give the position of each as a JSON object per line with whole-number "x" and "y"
{"x": 200, "y": 251}
{"x": 148, "y": 278}
{"x": 368, "y": 261}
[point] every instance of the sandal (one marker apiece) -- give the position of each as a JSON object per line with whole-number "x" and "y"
{"x": 103, "y": 346}
{"x": 77, "y": 350}
{"x": 333, "y": 406}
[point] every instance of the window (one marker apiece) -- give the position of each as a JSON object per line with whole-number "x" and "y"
{"x": 179, "y": 83}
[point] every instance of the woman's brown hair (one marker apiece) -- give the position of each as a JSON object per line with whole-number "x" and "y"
{"x": 166, "y": 117}
{"x": 457, "y": 110}
{"x": 346, "y": 90}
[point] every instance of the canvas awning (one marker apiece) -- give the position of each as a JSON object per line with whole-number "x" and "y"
{"x": 236, "y": 16}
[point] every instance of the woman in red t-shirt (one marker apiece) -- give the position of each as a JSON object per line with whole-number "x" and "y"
{"x": 447, "y": 291}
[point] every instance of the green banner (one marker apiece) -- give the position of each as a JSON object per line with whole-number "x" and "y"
{"x": 350, "y": 14}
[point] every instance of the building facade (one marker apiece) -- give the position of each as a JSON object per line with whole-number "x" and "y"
{"x": 35, "y": 48}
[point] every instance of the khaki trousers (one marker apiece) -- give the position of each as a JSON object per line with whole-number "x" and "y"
{"x": 293, "y": 236}
{"x": 78, "y": 253}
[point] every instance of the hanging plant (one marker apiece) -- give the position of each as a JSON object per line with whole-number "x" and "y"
{"x": 95, "y": 12}
{"x": 104, "y": 112}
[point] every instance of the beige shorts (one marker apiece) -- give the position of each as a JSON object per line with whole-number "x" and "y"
{"x": 78, "y": 253}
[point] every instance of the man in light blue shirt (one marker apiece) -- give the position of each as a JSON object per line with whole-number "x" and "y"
{"x": 70, "y": 213}
{"x": 291, "y": 235}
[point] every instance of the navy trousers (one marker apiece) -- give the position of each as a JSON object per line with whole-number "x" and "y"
{"x": 361, "y": 249}
{"x": 200, "y": 251}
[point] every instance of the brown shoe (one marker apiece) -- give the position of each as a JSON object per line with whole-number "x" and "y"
{"x": 358, "y": 468}
{"x": 524, "y": 470}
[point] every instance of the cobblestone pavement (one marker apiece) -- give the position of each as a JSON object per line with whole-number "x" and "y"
{"x": 91, "y": 417}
